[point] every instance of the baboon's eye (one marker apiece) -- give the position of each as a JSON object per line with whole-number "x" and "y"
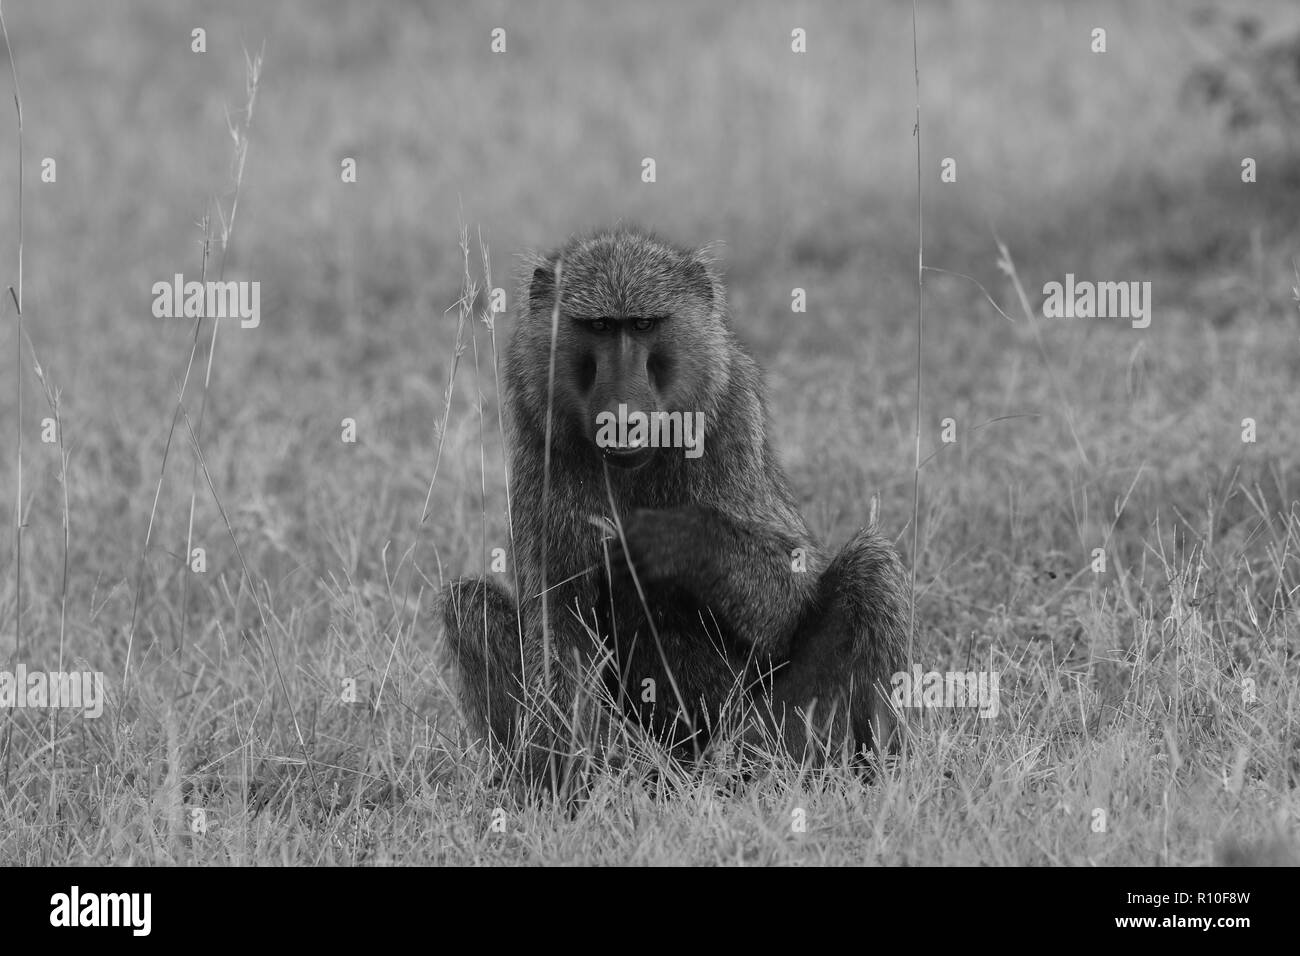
{"x": 598, "y": 325}
{"x": 643, "y": 324}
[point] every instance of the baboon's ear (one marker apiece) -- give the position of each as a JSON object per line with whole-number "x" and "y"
{"x": 541, "y": 288}
{"x": 700, "y": 277}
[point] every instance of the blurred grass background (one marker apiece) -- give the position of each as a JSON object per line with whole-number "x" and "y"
{"x": 802, "y": 166}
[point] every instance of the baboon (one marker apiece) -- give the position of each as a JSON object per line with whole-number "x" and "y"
{"x": 686, "y": 582}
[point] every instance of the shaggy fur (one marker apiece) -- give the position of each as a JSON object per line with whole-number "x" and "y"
{"x": 711, "y": 541}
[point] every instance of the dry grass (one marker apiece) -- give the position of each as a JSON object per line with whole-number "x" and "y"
{"x": 1123, "y": 692}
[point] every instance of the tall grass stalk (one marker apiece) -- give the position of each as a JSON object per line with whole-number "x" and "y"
{"x": 920, "y": 336}
{"x": 17, "y": 296}
{"x": 253, "y": 73}
{"x": 239, "y": 134}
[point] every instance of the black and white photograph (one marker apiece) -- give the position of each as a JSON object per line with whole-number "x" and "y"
{"x": 826, "y": 433}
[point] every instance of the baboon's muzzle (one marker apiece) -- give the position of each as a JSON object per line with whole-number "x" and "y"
{"x": 628, "y": 458}
{"x": 621, "y": 388}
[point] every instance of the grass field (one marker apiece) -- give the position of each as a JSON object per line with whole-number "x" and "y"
{"x": 1150, "y": 712}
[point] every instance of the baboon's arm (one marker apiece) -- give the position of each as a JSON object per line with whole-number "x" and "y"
{"x": 744, "y": 572}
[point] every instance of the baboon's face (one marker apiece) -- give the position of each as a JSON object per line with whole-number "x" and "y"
{"x": 635, "y": 321}
{"x": 621, "y": 363}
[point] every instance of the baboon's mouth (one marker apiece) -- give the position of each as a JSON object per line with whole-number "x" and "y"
{"x": 627, "y": 457}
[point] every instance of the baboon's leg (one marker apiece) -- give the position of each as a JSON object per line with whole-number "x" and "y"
{"x": 545, "y": 732}
{"x": 483, "y": 634}
{"x": 834, "y": 691}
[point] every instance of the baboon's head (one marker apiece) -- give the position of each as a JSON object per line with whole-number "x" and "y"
{"x": 641, "y": 324}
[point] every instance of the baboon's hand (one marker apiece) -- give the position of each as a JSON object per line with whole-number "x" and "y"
{"x": 657, "y": 543}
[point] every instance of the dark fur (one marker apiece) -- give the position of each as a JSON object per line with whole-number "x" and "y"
{"x": 709, "y": 539}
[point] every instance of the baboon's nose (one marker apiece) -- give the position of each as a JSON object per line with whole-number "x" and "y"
{"x": 623, "y": 433}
